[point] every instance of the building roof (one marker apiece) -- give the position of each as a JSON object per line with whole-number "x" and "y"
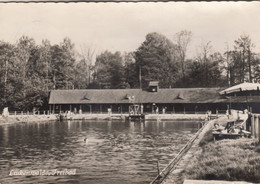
{"x": 246, "y": 86}
{"x": 128, "y": 96}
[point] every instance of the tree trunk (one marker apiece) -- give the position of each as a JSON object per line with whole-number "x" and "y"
{"x": 249, "y": 66}
{"x": 243, "y": 66}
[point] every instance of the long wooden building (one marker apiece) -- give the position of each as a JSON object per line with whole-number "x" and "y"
{"x": 173, "y": 100}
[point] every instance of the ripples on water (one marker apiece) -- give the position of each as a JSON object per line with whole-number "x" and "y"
{"x": 115, "y": 152}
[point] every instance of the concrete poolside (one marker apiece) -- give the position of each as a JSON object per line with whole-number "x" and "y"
{"x": 147, "y": 116}
{"x": 26, "y": 118}
{"x": 115, "y": 116}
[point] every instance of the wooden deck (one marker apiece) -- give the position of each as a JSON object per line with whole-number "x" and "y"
{"x": 213, "y": 182}
{"x": 136, "y": 117}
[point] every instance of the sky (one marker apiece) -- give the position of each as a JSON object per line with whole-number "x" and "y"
{"x": 123, "y": 26}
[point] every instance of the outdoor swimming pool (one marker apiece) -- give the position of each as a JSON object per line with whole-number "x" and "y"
{"x": 114, "y": 151}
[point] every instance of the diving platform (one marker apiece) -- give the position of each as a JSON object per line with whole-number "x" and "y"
{"x": 136, "y": 112}
{"x": 136, "y": 117}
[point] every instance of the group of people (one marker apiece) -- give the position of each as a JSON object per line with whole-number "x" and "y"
{"x": 163, "y": 110}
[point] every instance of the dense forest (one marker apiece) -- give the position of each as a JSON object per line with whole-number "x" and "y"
{"x": 29, "y": 71}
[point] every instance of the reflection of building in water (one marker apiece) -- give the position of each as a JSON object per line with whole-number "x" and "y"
{"x": 109, "y": 125}
{"x": 151, "y": 100}
{"x": 5, "y": 134}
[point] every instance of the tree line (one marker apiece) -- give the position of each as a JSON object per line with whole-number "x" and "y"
{"x": 29, "y": 70}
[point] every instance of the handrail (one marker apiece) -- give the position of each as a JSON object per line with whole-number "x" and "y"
{"x": 159, "y": 178}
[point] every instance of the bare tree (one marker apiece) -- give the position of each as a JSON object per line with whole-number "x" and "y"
{"x": 203, "y": 58}
{"x": 87, "y": 54}
{"x": 182, "y": 40}
{"x": 243, "y": 45}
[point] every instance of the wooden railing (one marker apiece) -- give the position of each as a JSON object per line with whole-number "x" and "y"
{"x": 164, "y": 173}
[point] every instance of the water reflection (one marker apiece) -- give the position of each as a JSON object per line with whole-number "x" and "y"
{"x": 113, "y": 151}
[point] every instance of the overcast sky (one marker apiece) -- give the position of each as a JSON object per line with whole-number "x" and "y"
{"x": 123, "y": 26}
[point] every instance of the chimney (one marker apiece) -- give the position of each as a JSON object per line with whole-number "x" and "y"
{"x": 153, "y": 86}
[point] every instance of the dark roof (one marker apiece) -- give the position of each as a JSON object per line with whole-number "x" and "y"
{"x": 125, "y": 96}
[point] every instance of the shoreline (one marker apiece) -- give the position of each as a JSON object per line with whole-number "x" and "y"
{"x": 53, "y": 117}
{"x": 11, "y": 119}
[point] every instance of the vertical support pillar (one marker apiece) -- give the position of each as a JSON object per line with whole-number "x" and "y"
{"x": 60, "y": 108}
{"x": 111, "y": 107}
{"x": 252, "y": 125}
{"x": 90, "y": 109}
{"x": 50, "y": 108}
{"x": 121, "y": 108}
{"x": 173, "y": 109}
{"x": 257, "y": 127}
{"x": 53, "y": 108}
{"x": 70, "y": 108}
{"x": 258, "y": 131}
{"x": 184, "y": 110}
{"x": 100, "y": 108}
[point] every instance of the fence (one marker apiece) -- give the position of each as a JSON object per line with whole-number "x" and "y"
{"x": 18, "y": 113}
{"x": 95, "y": 112}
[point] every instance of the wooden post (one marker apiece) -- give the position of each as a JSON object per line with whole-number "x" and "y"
{"x": 100, "y": 107}
{"x": 258, "y": 131}
{"x": 121, "y": 109}
{"x": 158, "y": 168}
{"x": 70, "y": 108}
{"x": 253, "y": 125}
{"x": 50, "y": 108}
{"x": 53, "y": 108}
{"x": 257, "y": 127}
{"x": 90, "y": 109}
{"x": 15, "y": 113}
{"x": 184, "y": 111}
{"x": 60, "y": 108}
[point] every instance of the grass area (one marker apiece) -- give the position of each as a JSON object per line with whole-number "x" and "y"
{"x": 230, "y": 159}
{"x": 208, "y": 137}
